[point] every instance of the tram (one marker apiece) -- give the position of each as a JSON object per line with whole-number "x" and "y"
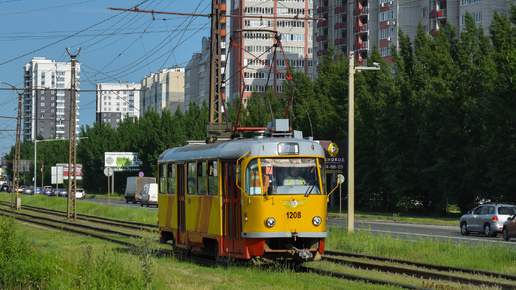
{"x": 261, "y": 198}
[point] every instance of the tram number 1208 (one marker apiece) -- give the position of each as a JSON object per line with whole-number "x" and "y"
{"x": 293, "y": 215}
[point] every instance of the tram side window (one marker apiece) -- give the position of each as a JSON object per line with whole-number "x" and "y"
{"x": 171, "y": 179}
{"x": 163, "y": 179}
{"x": 202, "y": 178}
{"x": 213, "y": 177}
{"x": 191, "y": 178}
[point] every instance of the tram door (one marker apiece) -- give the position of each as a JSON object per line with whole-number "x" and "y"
{"x": 231, "y": 213}
{"x": 181, "y": 196}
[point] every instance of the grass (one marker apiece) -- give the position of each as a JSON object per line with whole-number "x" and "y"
{"x": 32, "y": 257}
{"x": 452, "y": 219}
{"x": 483, "y": 256}
{"x": 35, "y": 257}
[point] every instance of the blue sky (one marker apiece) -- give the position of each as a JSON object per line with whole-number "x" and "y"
{"x": 115, "y": 46}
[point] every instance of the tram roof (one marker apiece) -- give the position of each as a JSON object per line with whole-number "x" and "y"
{"x": 236, "y": 148}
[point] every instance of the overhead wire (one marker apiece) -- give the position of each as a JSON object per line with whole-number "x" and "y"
{"x": 58, "y": 41}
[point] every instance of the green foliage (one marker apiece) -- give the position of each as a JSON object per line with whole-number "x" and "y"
{"x": 22, "y": 266}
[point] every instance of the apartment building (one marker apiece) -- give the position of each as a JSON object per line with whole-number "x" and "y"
{"x": 117, "y": 101}
{"x": 359, "y": 25}
{"x": 252, "y": 28}
{"x": 197, "y": 76}
{"x": 163, "y": 90}
{"x": 255, "y": 35}
{"x": 46, "y": 104}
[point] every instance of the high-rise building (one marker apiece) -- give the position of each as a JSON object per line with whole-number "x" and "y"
{"x": 46, "y": 100}
{"x": 256, "y": 36}
{"x": 197, "y": 76}
{"x": 359, "y": 25}
{"x": 117, "y": 101}
{"x": 163, "y": 90}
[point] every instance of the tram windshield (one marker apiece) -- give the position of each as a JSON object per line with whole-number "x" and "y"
{"x": 284, "y": 176}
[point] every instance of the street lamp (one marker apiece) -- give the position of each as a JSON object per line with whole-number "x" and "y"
{"x": 351, "y": 137}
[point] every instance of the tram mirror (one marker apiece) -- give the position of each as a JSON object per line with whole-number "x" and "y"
{"x": 340, "y": 178}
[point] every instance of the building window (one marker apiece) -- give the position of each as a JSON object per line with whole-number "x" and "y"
{"x": 468, "y": 2}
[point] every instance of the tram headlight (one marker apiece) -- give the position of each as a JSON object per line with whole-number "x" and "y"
{"x": 270, "y": 222}
{"x": 317, "y": 220}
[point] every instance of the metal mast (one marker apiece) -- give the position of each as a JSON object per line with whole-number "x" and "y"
{"x": 16, "y": 164}
{"x": 72, "y": 157}
{"x": 216, "y": 126}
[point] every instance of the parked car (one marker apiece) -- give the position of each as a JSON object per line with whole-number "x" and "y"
{"x": 38, "y": 190}
{"x": 21, "y": 188}
{"x": 509, "y": 228}
{"x": 487, "y": 219}
{"x": 5, "y": 187}
{"x": 80, "y": 193}
{"x": 62, "y": 192}
{"x": 28, "y": 190}
{"x": 48, "y": 190}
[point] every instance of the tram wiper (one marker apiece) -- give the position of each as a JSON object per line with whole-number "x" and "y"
{"x": 309, "y": 189}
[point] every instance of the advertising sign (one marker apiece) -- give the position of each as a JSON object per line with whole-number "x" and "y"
{"x": 336, "y": 152}
{"x": 122, "y": 161}
{"x": 57, "y": 174}
{"x": 78, "y": 170}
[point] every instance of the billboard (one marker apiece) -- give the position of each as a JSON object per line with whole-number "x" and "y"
{"x": 57, "y": 174}
{"x": 78, "y": 170}
{"x": 122, "y": 161}
{"x": 336, "y": 152}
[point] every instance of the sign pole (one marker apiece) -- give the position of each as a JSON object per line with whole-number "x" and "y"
{"x": 108, "y": 171}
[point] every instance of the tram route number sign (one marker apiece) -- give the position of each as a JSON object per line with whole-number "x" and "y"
{"x": 335, "y": 153}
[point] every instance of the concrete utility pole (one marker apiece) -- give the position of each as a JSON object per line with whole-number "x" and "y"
{"x": 72, "y": 157}
{"x": 351, "y": 137}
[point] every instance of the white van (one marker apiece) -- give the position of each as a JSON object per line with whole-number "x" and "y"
{"x": 149, "y": 194}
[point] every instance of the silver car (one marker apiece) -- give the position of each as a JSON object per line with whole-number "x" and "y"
{"x": 487, "y": 219}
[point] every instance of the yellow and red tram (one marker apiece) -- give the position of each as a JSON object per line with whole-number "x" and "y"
{"x": 240, "y": 198}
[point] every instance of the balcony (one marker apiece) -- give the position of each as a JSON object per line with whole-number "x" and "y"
{"x": 322, "y": 24}
{"x": 339, "y": 41}
{"x": 360, "y": 28}
{"x": 339, "y": 10}
{"x": 361, "y": 11}
{"x": 360, "y": 46}
{"x": 441, "y": 14}
{"x": 340, "y": 25}
{"x": 321, "y": 9}
{"x": 321, "y": 38}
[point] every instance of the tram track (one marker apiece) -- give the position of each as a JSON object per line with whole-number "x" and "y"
{"x": 431, "y": 274}
{"x": 90, "y": 218}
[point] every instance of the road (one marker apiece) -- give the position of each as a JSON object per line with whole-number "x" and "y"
{"x": 408, "y": 231}
{"x": 412, "y": 231}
